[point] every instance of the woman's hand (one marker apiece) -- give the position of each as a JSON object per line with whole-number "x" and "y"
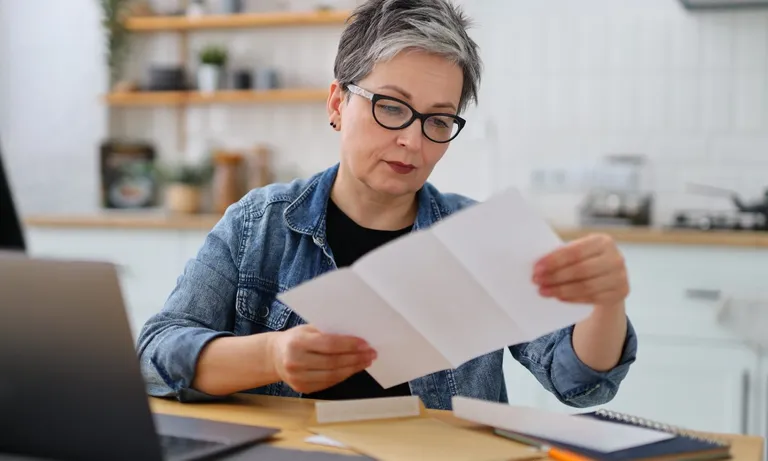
{"x": 589, "y": 270}
{"x": 310, "y": 361}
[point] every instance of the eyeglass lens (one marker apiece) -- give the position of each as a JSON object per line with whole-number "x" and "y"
{"x": 393, "y": 114}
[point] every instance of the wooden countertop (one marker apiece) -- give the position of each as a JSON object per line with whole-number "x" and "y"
{"x": 204, "y": 222}
{"x": 674, "y": 236}
{"x": 294, "y": 415}
{"x": 126, "y": 220}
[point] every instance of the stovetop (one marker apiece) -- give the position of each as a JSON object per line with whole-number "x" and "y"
{"x": 708, "y": 220}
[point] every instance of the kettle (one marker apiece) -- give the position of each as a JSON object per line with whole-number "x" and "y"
{"x": 617, "y": 195}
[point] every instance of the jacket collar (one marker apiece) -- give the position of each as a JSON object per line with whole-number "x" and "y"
{"x": 306, "y": 214}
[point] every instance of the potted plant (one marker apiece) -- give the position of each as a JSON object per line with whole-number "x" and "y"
{"x": 184, "y": 187}
{"x": 114, "y": 13}
{"x": 212, "y": 61}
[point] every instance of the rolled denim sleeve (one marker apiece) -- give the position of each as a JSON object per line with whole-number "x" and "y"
{"x": 199, "y": 309}
{"x": 553, "y": 361}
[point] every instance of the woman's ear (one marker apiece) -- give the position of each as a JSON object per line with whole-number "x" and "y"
{"x": 334, "y": 104}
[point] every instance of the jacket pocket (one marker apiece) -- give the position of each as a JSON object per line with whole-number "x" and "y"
{"x": 259, "y": 310}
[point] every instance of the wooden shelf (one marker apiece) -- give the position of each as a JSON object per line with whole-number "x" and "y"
{"x": 147, "y": 98}
{"x": 178, "y": 98}
{"x": 248, "y": 96}
{"x": 235, "y": 21}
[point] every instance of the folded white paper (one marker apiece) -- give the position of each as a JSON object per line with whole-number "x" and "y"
{"x": 337, "y": 411}
{"x": 438, "y": 297}
{"x": 324, "y": 441}
{"x": 575, "y": 430}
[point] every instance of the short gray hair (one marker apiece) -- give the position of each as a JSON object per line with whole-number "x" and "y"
{"x": 377, "y": 30}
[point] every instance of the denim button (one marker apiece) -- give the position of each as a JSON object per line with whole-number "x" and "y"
{"x": 264, "y": 312}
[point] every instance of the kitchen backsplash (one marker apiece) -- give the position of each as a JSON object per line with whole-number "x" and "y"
{"x": 688, "y": 90}
{"x": 563, "y": 87}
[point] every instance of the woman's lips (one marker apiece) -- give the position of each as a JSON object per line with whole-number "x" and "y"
{"x": 401, "y": 168}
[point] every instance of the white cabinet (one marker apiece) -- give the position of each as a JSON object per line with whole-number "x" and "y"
{"x": 761, "y": 408}
{"x": 662, "y": 276}
{"x": 191, "y": 241}
{"x": 148, "y": 261}
{"x": 522, "y": 388}
{"x": 687, "y": 359}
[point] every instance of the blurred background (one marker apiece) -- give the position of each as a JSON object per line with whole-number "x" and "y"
{"x": 127, "y": 128}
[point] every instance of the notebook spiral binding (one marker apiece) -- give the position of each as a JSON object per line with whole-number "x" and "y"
{"x": 649, "y": 424}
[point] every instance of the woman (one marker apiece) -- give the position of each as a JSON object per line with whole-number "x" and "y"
{"x": 404, "y": 71}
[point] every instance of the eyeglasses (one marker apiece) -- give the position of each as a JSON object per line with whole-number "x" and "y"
{"x": 395, "y": 114}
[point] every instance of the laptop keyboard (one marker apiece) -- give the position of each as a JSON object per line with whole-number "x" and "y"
{"x": 175, "y": 446}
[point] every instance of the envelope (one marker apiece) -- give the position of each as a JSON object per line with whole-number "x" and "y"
{"x": 400, "y": 428}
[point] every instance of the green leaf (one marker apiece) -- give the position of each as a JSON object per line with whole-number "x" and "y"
{"x": 214, "y": 55}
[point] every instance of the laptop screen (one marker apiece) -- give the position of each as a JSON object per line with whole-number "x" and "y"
{"x": 11, "y": 235}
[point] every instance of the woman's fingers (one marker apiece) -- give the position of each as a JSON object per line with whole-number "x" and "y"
{"x": 580, "y": 271}
{"x": 325, "y": 343}
{"x": 320, "y": 362}
{"x": 589, "y": 270}
{"x": 584, "y": 289}
{"x": 570, "y": 254}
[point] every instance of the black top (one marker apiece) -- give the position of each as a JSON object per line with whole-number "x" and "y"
{"x": 11, "y": 236}
{"x": 349, "y": 241}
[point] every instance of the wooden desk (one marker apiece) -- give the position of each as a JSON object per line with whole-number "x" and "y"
{"x": 292, "y": 416}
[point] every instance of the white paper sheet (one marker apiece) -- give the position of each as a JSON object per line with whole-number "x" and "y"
{"x": 507, "y": 238}
{"x": 324, "y": 441}
{"x": 572, "y": 429}
{"x": 420, "y": 278}
{"x": 439, "y": 297}
{"x": 340, "y": 302}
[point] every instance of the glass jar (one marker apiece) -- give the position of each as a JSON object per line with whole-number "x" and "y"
{"x": 227, "y": 179}
{"x": 259, "y": 167}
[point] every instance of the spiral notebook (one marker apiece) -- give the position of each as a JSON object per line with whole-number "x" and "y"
{"x": 684, "y": 446}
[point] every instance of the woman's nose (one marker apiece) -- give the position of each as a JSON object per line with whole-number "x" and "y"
{"x": 411, "y": 137}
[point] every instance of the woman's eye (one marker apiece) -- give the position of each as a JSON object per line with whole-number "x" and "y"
{"x": 391, "y": 109}
{"x": 439, "y": 123}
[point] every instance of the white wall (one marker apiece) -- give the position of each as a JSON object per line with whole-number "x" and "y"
{"x": 565, "y": 83}
{"x": 572, "y": 81}
{"x": 51, "y": 121}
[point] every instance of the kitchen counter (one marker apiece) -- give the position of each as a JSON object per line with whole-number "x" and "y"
{"x": 126, "y": 220}
{"x": 673, "y": 236}
{"x": 204, "y": 222}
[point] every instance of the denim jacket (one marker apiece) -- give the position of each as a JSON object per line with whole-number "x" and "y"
{"x": 274, "y": 239}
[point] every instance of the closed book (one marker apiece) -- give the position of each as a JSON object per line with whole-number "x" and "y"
{"x": 684, "y": 446}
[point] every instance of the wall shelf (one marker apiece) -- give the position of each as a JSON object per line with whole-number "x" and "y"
{"x": 235, "y": 21}
{"x": 182, "y": 98}
{"x": 183, "y": 26}
{"x": 146, "y": 98}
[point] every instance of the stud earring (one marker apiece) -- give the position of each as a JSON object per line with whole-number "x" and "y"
{"x": 333, "y": 124}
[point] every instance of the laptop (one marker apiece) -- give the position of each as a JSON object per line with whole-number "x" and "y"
{"x": 70, "y": 383}
{"x": 11, "y": 236}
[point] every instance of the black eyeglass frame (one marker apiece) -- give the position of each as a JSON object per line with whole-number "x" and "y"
{"x": 416, "y": 115}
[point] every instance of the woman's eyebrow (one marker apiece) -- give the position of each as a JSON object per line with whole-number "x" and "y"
{"x": 406, "y": 94}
